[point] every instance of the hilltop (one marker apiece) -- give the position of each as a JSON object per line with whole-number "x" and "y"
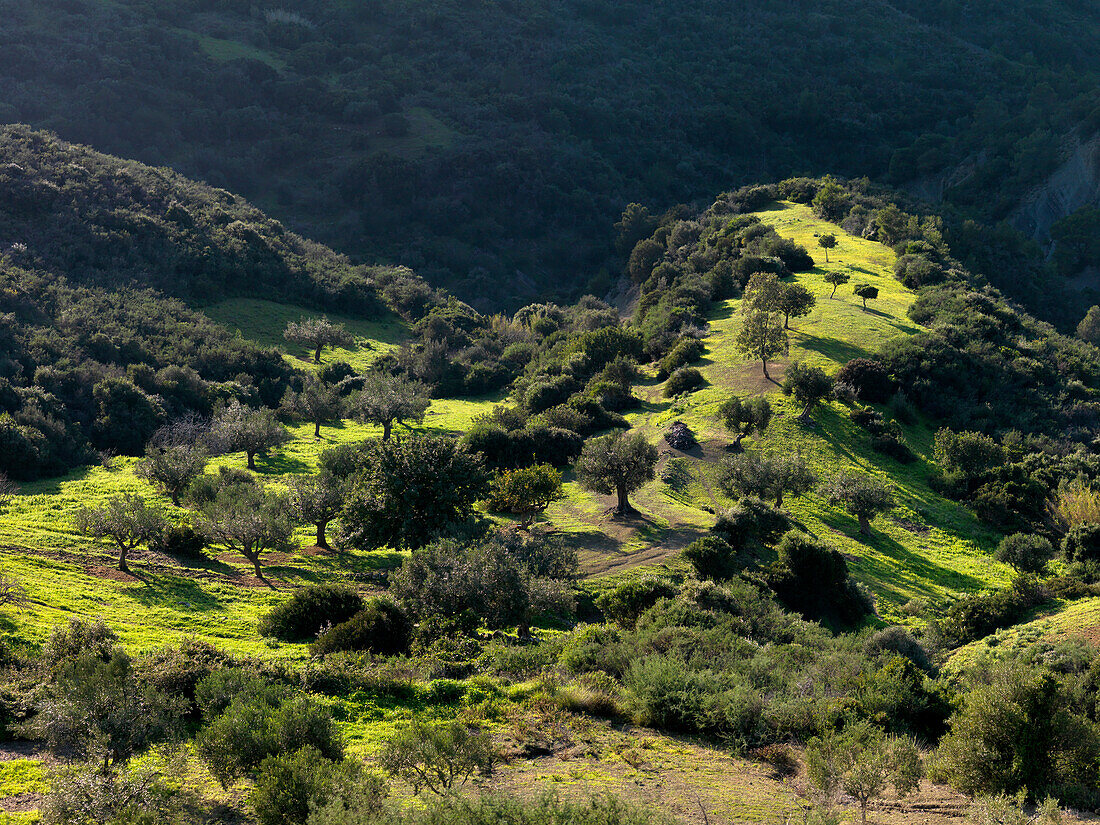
{"x": 490, "y": 146}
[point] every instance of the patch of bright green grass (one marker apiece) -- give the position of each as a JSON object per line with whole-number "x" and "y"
{"x": 263, "y": 322}
{"x": 222, "y": 50}
{"x": 19, "y": 776}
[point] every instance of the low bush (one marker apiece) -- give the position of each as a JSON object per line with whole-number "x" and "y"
{"x": 685, "y": 379}
{"x": 310, "y": 610}
{"x": 685, "y": 352}
{"x": 380, "y": 627}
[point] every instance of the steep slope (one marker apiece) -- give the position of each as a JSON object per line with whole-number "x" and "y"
{"x": 103, "y": 263}
{"x": 490, "y": 145}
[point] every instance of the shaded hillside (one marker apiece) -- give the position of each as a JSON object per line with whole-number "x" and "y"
{"x": 97, "y": 348}
{"x": 492, "y": 145}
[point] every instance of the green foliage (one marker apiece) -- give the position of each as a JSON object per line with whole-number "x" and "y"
{"x": 862, "y": 763}
{"x": 100, "y": 710}
{"x": 685, "y": 352}
{"x": 310, "y": 610}
{"x": 1082, "y": 543}
{"x": 318, "y": 402}
{"x": 237, "y": 428}
{"x": 869, "y": 378}
{"x": 685, "y": 379}
{"x": 625, "y": 603}
{"x": 380, "y": 627}
{"x": 1089, "y": 328}
{"x": 974, "y": 616}
{"x": 317, "y": 500}
{"x": 251, "y": 729}
{"x": 412, "y": 490}
{"x": 812, "y": 579}
{"x": 289, "y": 786}
{"x": 795, "y": 301}
{"x": 836, "y": 278}
{"x": 1028, "y": 553}
{"x": 527, "y": 491}
{"x": 711, "y": 558}
{"x": 1019, "y": 732}
{"x": 172, "y": 468}
{"x": 438, "y": 757}
{"x": 618, "y": 463}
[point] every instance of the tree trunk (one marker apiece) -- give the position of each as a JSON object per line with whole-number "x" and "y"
{"x": 833, "y": 293}
{"x": 864, "y": 304}
{"x": 737, "y": 442}
{"x": 764, "y": 363}
{"x": 779, "y": 497}
{"x": 624, "y": 503}
{"x": 321, "y": 542}
{"x": 317, "y": 354}
{"x": 863, "y": 811}
{"x": 387, "y": 427}
{"x": 804, "y": 418}
{"x": 123, "y": 551}
{"x": 255, "y": 559}
{"x": 316, "y": 429}
{"x": 252, "y": 461}
{"x": 175, "y": 496}
{"x": 826, "y": 254}
{"x": 864, "y": 525}
{"x": 786, "y": 320}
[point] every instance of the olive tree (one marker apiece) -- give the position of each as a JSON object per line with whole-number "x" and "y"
{"x": 808, "y": 385}
{"x": 172, "y": 468}
{"x": 318, "y": 403}
{"x": 317, "y": 500}
{"x": 248, "y": 519}
{"x": 862, "y": 762}
{"x": 866, "y": 292}
{"x": 795, "y": 301}
{"x": 743, "y": 417}
{"x": 386, "y": 400}
{"x": 618, "y": 463}
{"x": 861, "y": 495}
{"x": 125, "y": 520}
{"x": 752, "y": 474}
{"x": 316, "y": 334}
{"x": 238, "y": 428}
{"x": 827, "y": 242}
{"x": 438, "y": 755}
{"x": 836, "y": 279}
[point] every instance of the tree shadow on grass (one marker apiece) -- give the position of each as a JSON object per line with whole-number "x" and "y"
{"x": 171, "y": 591}
{"x": 835, "y": 348}
{"x": 896, "y": 563}
{"x": 281, "y": 465}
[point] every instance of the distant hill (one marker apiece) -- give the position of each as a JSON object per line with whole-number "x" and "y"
{"x": 491, "y": 145}
{"x": 103, "y": 264}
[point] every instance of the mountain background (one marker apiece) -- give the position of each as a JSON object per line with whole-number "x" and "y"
{"x": 490, "y": 146}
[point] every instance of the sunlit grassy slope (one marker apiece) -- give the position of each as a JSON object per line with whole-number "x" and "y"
{"x": 928, "y": 548}
{"x": 263, "y": 322}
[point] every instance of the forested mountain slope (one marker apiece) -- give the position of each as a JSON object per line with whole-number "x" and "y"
{"x": 491, "y": 145}
{"x": 104, "y": 263}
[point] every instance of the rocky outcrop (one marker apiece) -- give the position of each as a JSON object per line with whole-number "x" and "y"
{"x": 1074, "y": 184}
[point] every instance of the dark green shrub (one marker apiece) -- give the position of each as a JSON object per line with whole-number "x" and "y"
{"x": 712, "y": 558}
{"x": 630, "y": 600}
{"x": 291, "y": 785}
{"x": 309, "y": 610}
{"x": 974, "y": 617}
{"x": 1028, "y": 553}
{"x": 181, "y": 541}
{"x": 1082, "y": 543}
{"x": 553, "y": 445}
{"x": 870, "y": 378}
{"x": 685, "y": 352}
{"x": 685, "y": 379}
{"x": 751, "y": 523}
{"x": 380, "y": 627}
{"x": 899, "y": 640}
{"x": 812, "y": 579}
